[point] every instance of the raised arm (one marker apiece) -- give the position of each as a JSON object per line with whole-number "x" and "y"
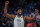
{"x": 30, "y": 18}
{"x": 5, "y": 11}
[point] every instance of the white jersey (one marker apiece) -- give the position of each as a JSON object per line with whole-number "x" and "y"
{"x": 18, "y": 22}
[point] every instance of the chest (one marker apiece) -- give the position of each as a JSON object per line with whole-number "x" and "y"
{"x": 18, "y": 19}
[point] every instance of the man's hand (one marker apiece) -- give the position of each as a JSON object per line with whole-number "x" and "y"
{"x": 6, "y": 3}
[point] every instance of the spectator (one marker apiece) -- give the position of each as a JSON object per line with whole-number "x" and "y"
{"x": 38, "y": 17}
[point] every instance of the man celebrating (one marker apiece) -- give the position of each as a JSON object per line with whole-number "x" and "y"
{"x": 19, "y": 18}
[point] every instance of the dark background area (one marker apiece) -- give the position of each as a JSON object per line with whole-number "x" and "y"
{"x": 27, "y": 6}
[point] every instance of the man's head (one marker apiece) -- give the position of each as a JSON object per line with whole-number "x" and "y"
{"x": 37, "y": 10}
{"x": 19, "y": 11}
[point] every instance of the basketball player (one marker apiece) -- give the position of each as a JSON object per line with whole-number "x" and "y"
{"x": 18, "y": 19}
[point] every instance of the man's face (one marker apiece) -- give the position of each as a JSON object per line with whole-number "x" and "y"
{"x": 19, "y": 12}
{"x": 36, "y": 10}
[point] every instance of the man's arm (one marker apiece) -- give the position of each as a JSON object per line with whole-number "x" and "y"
{"x": 5, "y": 11}
{"x": 30, "y": 18}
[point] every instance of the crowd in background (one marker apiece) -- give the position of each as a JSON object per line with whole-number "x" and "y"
{"x": 28, "y": 7}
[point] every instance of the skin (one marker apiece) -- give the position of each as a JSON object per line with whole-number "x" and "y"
{"x": 36, "y": 10}
{"x": 19, "y": 11}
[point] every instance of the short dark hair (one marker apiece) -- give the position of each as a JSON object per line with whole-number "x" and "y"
{"x": 37, "y": 8}
{"x": 18, "y": 9}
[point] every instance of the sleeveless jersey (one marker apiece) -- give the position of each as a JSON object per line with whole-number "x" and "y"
{"x": 18, "y": 22}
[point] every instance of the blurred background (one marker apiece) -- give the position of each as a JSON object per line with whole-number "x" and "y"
{"x": 27, "y": 6}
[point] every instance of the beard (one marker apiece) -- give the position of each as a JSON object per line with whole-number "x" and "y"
{"x": 19, "y": 14}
